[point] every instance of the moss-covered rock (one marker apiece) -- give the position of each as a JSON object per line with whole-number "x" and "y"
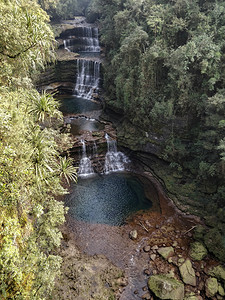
{"x": 166, "y": 252}
{"x": 221, "y": 290}
{"x": 198, "y": 251}
{"x": 211, "y": 287}
{"x": 218, "y": 272}
{"x": 187, "y": 273}
{"x": 166, "y": 287}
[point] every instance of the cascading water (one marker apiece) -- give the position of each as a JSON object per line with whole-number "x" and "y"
{"x": 85, "y": 167}
{"x": 85, "y": 39}
{"x": 90, "y": 39}
{"x": 114, "y": 160}
{"x": 88, "y": 73}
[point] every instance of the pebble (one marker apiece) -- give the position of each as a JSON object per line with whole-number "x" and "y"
{"x": 133, "y": 234}
{"x": 154, "y": 272}
{"x": 157, "y": 226}
{"x": 153, "y": 257}
{"x": 147, "y": 272}
{"x": 147, "y": 248}
{"x": 146, "y": 296}
{"x": 174, "y": 244}
{"x": 145, "y": 288}
{"x": 135, "y": 292}
{"x": 155, "y": 247}
{"x": 197, "y": 274}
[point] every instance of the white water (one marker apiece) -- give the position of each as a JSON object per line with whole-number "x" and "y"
{"x": 66, "y": 44}
{"x": 90, "y": 39}
{"x": 85, "y": 40}
{"x": 115, "y": 161}
{"x": 85, "y": 167}
{"x": 87, "y": 82}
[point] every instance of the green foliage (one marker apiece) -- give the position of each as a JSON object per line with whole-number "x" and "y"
{"x": 164, "y": 69}
{"x": 30, "y": 164}
{"x": 26, "y": 40}
{"x": 167, "y": 59}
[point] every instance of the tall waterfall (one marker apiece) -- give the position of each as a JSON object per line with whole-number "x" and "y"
{"x": 87, "y": 81}
{"x": 85, "y": 167}
{"x": 114, "y": 160}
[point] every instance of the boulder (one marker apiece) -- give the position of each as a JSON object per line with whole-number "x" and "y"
{"x": 198, "y": 251}
{"x": 218, "y": 272}
{"x": 166, "y": 287}
{"x": 166, "y": 252}
{"x": 211, "y": 287}
{"x": 187, "y": 273}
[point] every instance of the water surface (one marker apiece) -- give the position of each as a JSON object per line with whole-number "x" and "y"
{"x": 107, "y": 199}
{"x": 74, "y": 105}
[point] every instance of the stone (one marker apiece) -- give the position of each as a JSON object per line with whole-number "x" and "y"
{"x": 221, "y": 291}
{"x": 198, "y": 251}
{"x": 191, "y": 296}
{"x": 153, "y": 256}
{"x": 211, "y": 287}
{"x": 166, "y": 287}
{"x": 218, "y": 272}
{"x": 147, "y": 272}
{"x": 147, "y": 248}
{"x": 170, "y": 260}
{"x": 166, "y": 252}
{"x": 180, "y": 261}
{"x": 155, "y": 247}
{"x": 133, "y": 234}
{"x": 187, "y": 273}
{"x": 146, "y": 296}
{"x": 175, "y": 244}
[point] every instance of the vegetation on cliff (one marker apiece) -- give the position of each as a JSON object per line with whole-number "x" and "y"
{"x": 31, "y": 169}
{"x": 164, "y": 69}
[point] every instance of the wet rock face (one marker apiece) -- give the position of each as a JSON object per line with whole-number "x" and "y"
{"x": 165, "y": 287}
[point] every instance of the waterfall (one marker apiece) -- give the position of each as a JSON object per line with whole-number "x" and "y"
{"x": 114, "y": 160}
{"x": 89, "y": 41}
{"x": 85, "y": 39}
{"x": 66, "y": 44}
{"x": 85, "y": 167}
{"x": 87, "y": 78}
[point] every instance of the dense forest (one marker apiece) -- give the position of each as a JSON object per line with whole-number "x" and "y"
{"x": 164, "y": 69}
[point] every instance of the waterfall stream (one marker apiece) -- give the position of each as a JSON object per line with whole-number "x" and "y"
{"x": 87, "y": 80}
{"x": 114, "y": 160}
{"x": 85, "y": 167}
{"x": 84, "y": 39}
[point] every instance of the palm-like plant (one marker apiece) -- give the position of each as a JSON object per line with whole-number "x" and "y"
{"x": 67, "y": 169}
{"x": 45, "y": 107}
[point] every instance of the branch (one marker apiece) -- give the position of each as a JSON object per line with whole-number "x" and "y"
{"x": 19, "y": 53}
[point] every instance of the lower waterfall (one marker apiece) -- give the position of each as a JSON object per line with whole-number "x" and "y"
{"x": 114, "y": 160}
{"x": 85, "y": 167}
